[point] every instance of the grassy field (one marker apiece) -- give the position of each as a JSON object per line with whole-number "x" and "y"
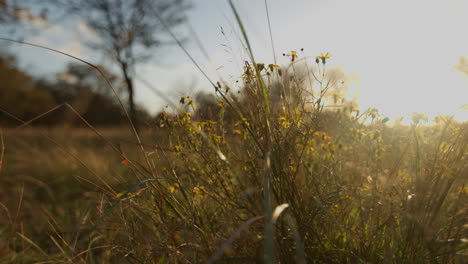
{"x": 305, "y": 185}
{"x": 270, "y": 175}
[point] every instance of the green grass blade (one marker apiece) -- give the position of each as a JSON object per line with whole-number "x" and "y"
{"x": 297, "y": 239}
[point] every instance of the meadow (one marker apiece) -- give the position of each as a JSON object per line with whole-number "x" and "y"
{"x": 284, "y": 171}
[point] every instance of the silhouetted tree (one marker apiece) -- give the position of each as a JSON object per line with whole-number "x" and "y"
{"x": 128, "y": 29}
{"x": 13, "y": 12}
{"x": 7, "y": 11}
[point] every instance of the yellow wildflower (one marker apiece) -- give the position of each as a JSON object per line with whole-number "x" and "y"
{"x": 222, "y": 103}
{"x": 190, "y": 102}
{"x": 323, "y": 57}
{"x": 178, "y": 148}
{"x": 120, "y": 194}
{"x": 274, "y": 66}
{"x": 293, "y": 55}
{"x": 248, "y": 74}
{"x": 173, "y": 187}
{"x": 199, "y": 192}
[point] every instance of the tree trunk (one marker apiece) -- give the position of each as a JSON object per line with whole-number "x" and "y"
{"x": 129, "y": 82}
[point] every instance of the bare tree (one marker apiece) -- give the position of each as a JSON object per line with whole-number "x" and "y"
{"x": 129, "y": 30}
{"x": 9, "y": 11}
{"x": 13, "y": 12}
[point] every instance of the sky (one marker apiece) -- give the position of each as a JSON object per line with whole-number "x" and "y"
{"x": 400, "y": 56}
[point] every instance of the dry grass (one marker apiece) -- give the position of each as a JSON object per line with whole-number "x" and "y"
{"x": 269, "y": 176}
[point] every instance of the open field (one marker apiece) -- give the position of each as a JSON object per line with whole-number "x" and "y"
{"x": 356, "y": 192}
{"x": 283, "y": 170}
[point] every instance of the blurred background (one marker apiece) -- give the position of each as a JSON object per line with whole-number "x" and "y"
{"x": 398, "y": 57}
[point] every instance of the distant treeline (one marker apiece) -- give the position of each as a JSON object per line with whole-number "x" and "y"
{"x": 24, "y": 97}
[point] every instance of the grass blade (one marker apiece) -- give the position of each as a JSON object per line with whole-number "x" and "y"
{"x": 108, "y": 211}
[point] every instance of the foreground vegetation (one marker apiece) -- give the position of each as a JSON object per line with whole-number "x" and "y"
{"x": 284, "y": 171}
{"x": 227, "y": 182}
